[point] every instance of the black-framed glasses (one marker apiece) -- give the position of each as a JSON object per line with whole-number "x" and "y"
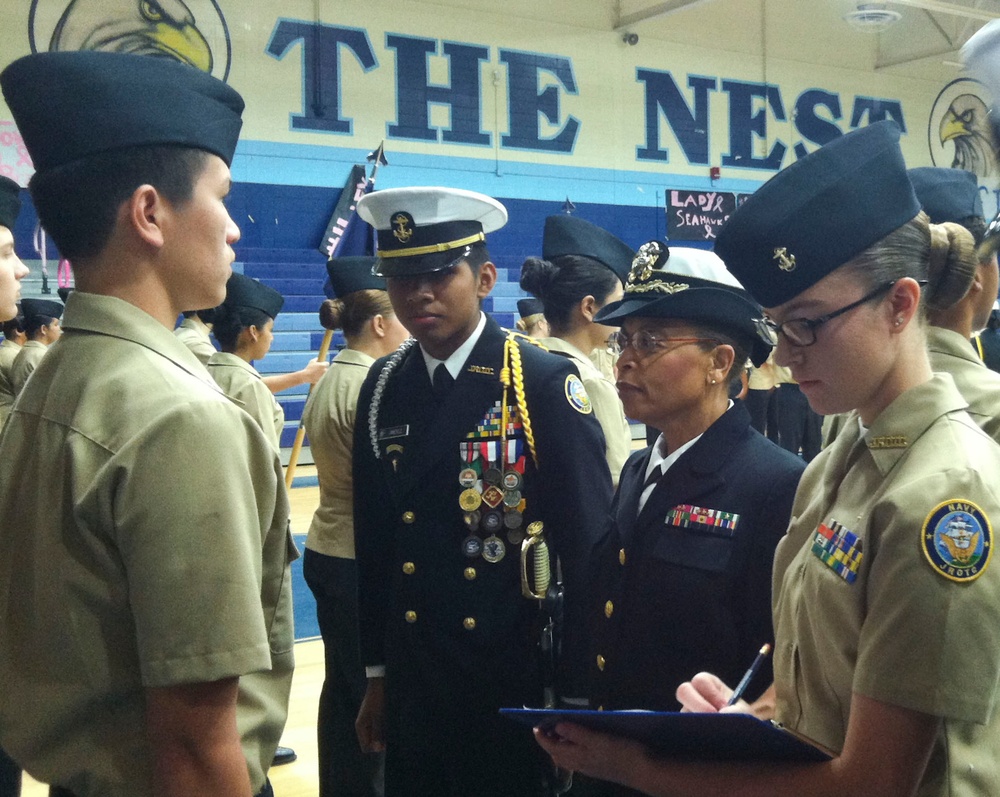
{"x": 802, "y": 331}
{"x": 644, "y": 343}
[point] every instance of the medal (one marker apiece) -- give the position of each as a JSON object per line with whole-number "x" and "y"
{"x": 470, "y": 500}
{"x": 492, "y": 476}
{"x": 512, "y": 498}
{"x": 471, "y": 519}
{"x": 512, "y": 480}
{"x": 468, "y": 477}
{"x": 512, "y": 519}
{"x": 492, "y": 496}
{"x": 492, "y": 522}
{"x": 515, "y": 536}
{"x": 493, "y": 549}
{"x": 472, "y": 546}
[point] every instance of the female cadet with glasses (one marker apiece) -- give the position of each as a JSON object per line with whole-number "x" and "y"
{"x": 371, "y": 330}
{"x": 693, "y": 536}
{"x": 582, "y": 268}
{"x": 887, "y": 612}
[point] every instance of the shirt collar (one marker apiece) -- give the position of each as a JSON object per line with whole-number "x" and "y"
{"x": 659, "y": 459}
{"x": 458, "y": 357}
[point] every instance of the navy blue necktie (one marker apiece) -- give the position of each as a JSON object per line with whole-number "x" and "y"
{"x": 443, "y": 381}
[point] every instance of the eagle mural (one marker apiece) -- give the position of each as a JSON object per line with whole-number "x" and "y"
{"x": 164, "y": 28}
{"x": 967, "y": 125}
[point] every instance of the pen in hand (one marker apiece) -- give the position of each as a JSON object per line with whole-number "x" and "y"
{"x": 741, "y": 687}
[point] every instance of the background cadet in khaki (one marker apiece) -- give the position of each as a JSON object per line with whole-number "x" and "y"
{"x": 961, "y": 292}
{"x": 193, "y": 332}
{"x": 136, "y": 601}
{"x": 371, "y": 330}
{"x": 244, "y": 327}
{"x": 887, "y": 607}
{"x": 582, "y": 269}
{"x": 42, "y": 328}
{"x": 12, "y": 271}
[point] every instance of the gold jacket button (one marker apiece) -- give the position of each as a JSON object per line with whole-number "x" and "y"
{"x": 470, "y": 574}
{"x": 408, "y": 516}
{"x": 600, "y": 662}
{"x": 409, "y": 568}
{"x": 469, "y": 623}
{"x": 621, "y": 556}
{"x": 411, "y": 616}
{"x": 609, "y": 609}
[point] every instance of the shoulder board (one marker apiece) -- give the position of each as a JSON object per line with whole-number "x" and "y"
{"x": 520, "y": 336}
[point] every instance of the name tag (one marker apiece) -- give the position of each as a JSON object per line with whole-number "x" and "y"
{"x": 393, "y": 432}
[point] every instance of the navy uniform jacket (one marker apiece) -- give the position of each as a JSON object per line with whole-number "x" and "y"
{"x": 680, "y": 599}
{"x": 454, "y": 632}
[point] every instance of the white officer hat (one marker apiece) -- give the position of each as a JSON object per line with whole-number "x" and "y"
{"x": 425, "y": 229}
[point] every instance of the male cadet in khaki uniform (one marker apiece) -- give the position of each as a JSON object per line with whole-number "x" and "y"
{"x": 42, "y": 329}
{"x": 145, "y": 620}
{"x": 450, "y": 473}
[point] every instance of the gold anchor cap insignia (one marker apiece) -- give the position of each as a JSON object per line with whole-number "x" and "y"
{"x": 786, "y": 262}
{"x": 645, "y": 261}
{"x": 402, "y": 223}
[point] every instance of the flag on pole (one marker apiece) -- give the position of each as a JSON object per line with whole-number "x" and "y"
{"x": 340, "y": 238}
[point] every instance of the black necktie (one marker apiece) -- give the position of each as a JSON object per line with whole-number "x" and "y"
{"x": 653, "y": 477}
{"x": 443, "y": 381}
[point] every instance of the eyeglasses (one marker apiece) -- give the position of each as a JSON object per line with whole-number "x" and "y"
{"x": 644, "y": 343}
{"x": 802, "y": 331}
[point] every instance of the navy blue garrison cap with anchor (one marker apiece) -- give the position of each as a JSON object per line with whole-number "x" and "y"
{"x": 569, "y": 235}
{"x": 425, "y": 229}
{"x": 117, "y": 100}
{"x": 818, "y": 213}
{"x": 689, "y": 284}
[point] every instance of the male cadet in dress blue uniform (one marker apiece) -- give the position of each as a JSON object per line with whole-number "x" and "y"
{"x": 451, "y": 472}
{"x": 145, "y": 618}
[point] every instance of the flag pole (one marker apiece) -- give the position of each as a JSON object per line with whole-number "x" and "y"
{"x": 378, "y": 156}
{"x": 300, "y": 434}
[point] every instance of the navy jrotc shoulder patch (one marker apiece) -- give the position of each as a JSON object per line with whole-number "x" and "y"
{"x": 576, "y": 395}
{"x": 957, "y": 540}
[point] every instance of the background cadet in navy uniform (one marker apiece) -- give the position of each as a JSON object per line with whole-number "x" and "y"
{"x": 438, "y": 607}
{"x": 678, "y": 594}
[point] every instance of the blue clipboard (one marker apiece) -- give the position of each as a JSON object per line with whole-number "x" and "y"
{"x": 694, "y": 737}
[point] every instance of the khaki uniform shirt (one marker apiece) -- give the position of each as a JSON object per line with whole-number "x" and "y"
{"x": 604, "y": 361}
{"x": 904, "y": 631}
{"x": 329, "y": 420}
{"x": 764, "y": 376}
{"x": 193, "y": 333}
{"x": 145, "y": 545}
{"x": 8, "y": 353}
{"x": 980, "y": 387}
{"x": 240, "y": 380}
{"x": 608, "y": 407}
{"x": 26, "y": 361}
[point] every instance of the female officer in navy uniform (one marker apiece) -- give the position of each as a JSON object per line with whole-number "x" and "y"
{"x": 693, "y": 535}
{"x": 451, "y": 472}
{"x": 887, "y": 607}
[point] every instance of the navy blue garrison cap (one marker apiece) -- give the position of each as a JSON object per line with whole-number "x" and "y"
{"x": 243, "y": 291}
{"x": 817, "y": 214}
{"x": 41, "y": 308}
{"x": 947, "y": 194}
{"x": 10, "y": 202}
{"x": 351, "y": 274}
{"x": 70, "y": 105}
{"x": 568, "y": 235}
{"x": 529, "y": 306}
